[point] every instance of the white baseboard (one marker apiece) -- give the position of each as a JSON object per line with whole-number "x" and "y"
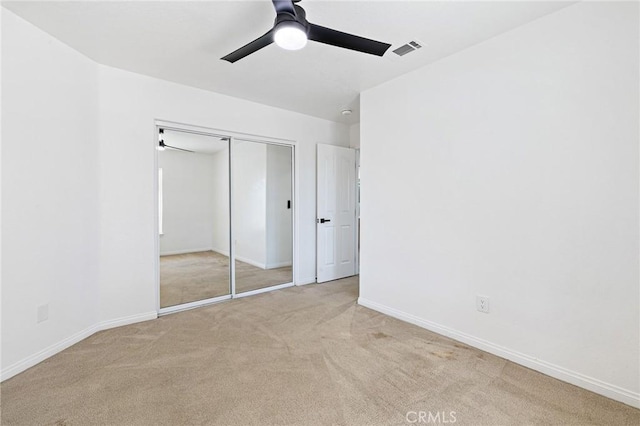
{"x": 48, "y": 352}
{"x": 598, "y": 386}
{"x": 40, "y": 356}
{"x": 186, "y": 251}
{"x": 251, "y": 262}
{"x": 132, "y": 319}
{"x": 278, "y": 265}
{"x": 221, "y": 251}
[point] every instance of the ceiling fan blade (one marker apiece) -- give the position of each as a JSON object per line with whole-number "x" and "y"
{"x": 347, "y": 41}
{"x": 250, "y": 48}
{"x": 284, "y": 6}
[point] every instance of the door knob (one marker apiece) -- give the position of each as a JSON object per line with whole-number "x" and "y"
{"x": 323, "y": 220}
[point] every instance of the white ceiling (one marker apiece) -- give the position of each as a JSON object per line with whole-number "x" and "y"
{"x": 183, "y": 42}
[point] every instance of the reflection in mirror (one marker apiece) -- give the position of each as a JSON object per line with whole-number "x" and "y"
{"x": 262, "y": 214}
{"x": 194, "y": 217}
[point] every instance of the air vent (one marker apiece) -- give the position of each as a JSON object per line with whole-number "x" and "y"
{"x": 407, "y": 48}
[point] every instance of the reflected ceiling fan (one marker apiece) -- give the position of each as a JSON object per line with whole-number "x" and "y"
{"x": 162, "y": 146}
{"x": 291, "y": 30}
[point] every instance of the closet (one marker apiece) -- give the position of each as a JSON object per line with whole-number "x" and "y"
{"x": 225, "y": 216}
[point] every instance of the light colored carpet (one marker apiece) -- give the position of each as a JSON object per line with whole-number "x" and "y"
{"x": 197, "y": 276}
{"x": 299, "y": 356}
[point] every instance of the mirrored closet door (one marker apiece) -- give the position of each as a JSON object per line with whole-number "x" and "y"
{"x": 225, "y": 216}
{"x": 262, "y": 176}
{"x": 193, "y": 184}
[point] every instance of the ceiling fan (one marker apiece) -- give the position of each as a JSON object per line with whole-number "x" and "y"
{"x": 291, "y": 30}
{"x": 162, "y": 146}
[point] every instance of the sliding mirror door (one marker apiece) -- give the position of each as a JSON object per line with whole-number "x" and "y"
{"x": 193, "y": 181}
{"x": 262, "y": 176}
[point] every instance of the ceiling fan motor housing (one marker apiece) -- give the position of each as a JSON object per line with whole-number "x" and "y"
{"x": 299, "y": 19}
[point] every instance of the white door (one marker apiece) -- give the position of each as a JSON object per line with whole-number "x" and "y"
{"x": 336, "y": 231}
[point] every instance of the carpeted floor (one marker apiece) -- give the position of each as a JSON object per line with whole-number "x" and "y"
{"x": 197, "y": 276}
{"x": 299, "y": 356}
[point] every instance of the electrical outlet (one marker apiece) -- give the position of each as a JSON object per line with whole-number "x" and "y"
{"x": 482, "y": 304}
{"x": 43, "y": 312}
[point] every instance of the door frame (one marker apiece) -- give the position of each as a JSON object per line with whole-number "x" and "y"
{"x": 356, "y": 243}
{"x": 231, "y": 135}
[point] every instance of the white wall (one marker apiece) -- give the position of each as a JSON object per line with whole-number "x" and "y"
{"x": 50, "y": 196}
{"x": 249, "y": 192}
{"x": 354, "y": 136}
{"x": 188, "y": 203}
{"x": 129, "y": 104}
{"x": 220, "y": 240}
{"x": 261, "y": 187}
{"x": 511, "y": 170}
{"x": 78, "y": 170}
{"x": 279, "y": 219}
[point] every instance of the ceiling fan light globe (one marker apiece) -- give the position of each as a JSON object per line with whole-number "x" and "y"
{"x": 290, "y": 37}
